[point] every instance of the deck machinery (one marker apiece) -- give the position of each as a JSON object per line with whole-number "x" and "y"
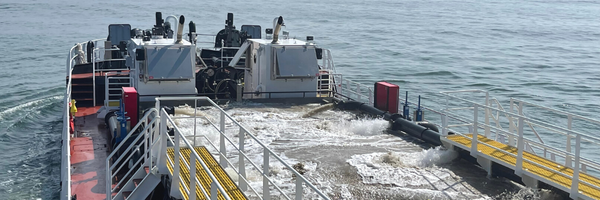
{"x": 129, "y": 72}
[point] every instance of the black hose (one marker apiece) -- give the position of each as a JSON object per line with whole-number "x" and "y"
{"x": 424, "y": 133}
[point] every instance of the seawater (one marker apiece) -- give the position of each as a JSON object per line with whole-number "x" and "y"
{"x": 546, "y": 52}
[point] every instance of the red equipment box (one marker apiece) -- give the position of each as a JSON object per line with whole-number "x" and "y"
{"x": 386, "y": 97}
{"x": 130, "y": 98}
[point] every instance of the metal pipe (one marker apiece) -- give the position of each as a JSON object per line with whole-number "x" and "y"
{"x": 398, "y": 122}
{"x": 180, "y": 29}
{"x": 277, "y": 23}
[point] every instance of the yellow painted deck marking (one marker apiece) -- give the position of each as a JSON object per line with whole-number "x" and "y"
{"x": 230, "y": 187}
{"x": 511, "y": 159}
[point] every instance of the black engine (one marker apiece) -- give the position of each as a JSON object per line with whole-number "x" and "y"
{"x": 216, "y": 78}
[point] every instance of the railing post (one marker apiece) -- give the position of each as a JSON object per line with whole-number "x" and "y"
{"x": 242, "y": 165}
{"x": 213, "y": 191}
{"x": 444, "y": 125}
{"x": 162, "y": 134}
{"x": 106, "y": 91}
{"x": 568, "y": 158}
{"x": 94, "y": 76}
{"x": 299, "y": 191}
{"x": 474, "y": 140}
{"x": 223, "y": 155}
{"x": 575, "y": 182}
{"x": 192, "y": 193}
{"x": 341, "y": 90}
{"x": 266, "y": 189}
{"x": 175, "y": 181}
{"x": 520, "y": 146}
{"x": 195, "y": 120}
{"x": 487, "y": 114}
{"x": 108, "y": 181}
{"x": 146, "y": 138}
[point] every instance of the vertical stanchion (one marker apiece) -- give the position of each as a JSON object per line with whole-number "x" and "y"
{"x": 575, "y": 182}
{"x": 242, "y": 165}
{"x": 192, "y": 194}
{"x": 487, "y": 114}
{"x": 162, "y": 157}
{"x": 176, "y": 177}
{"x": 195, "y": 120}
{"x": 146, "y": 143}
{"x": 266, "y": 189}
{"x": 299, "y": 191}
{"x": 213, "y": 191}
{"x": 445, "y": 125}
{"x": 94, "y": 76}
{"x": 474, "y": 140}
{"x": 223, "y": 155}
{"x": 568, "y": 158}
{"x": 520, "y": 146}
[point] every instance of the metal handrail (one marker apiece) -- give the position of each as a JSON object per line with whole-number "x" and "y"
{"x": 143, "y": 134}
{"x": 178, "y": 136}
{"x": 65, "y": 193}
{"x": 531, "y": 162}
{"x": 107, "y": 86}
{"x": 557, "y": 111}
{"x": 345, "y": 90}
{"x": 240, "y": 151}
{"x": 267, "y": 152}
{"x": 519, "y": 115}
{"x": 522, "y": 122}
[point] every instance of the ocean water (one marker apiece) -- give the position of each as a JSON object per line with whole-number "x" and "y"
{"x": 546, "y": 52}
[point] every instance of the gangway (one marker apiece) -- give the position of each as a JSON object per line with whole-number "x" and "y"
{"x": 478, "y": 131}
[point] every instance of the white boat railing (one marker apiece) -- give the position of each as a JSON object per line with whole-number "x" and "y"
{"x": 474, "y": 123}
{"x": 65, "y": 193}
{"x": 146, "y": 141}
{"x": 327, "y": 61}
{"x": 191, "y": 166}
{"x": 96, "y": 60}
{"x": 226, "y": 143}
{"x": 107, "y": 89}
{"x": 347, "y": 89}
{"x": 570, "y": 118}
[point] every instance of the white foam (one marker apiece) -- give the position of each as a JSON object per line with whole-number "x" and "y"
{"x": 27, "y": 105}
{"x": 419, "y": 172}
{"x": 283, "y": 129}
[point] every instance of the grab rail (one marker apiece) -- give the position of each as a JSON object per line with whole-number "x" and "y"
{"x": 65, "y": 193}
{"x": 239, "y": 148}
{"x": 351, "y": 89}
{"x": 148, "y": 139}
{"x": 191, "y": 193}
{"x": 107, "y": 88}
{"x": 580, "y": 163}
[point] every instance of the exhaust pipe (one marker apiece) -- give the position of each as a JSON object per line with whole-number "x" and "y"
{"x": 277, "y": 26}
{"x": 180, "y": 29}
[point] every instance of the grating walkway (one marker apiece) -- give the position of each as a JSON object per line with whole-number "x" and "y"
{"x": 230, "y": 187}
{"x": 585, "y": 189}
